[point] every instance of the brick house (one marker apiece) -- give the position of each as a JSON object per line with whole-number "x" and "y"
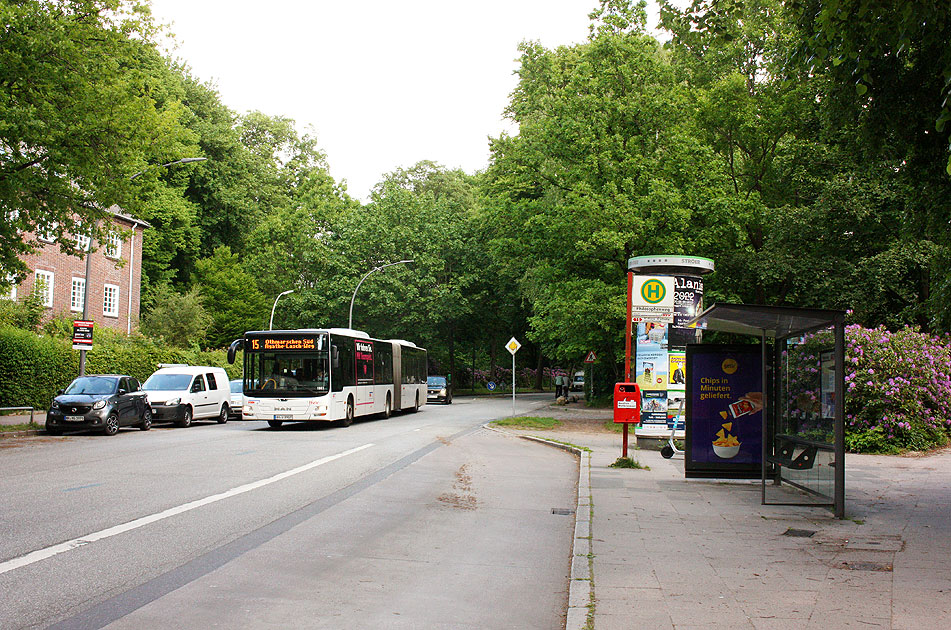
{"x": 115, "y": 275}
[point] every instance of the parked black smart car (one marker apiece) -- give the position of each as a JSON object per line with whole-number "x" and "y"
{"x": 102, "y": 402}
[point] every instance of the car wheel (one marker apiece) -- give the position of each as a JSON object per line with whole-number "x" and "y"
{"x": 348, "y": 419}
{"x": 223, "y": 416}
{"x": 53, "y": 430}
{"x": 274, "y": 424}
{"x": 186, "y": 420}
{"x": 387, "y": 407}
{"x": 146, "y": 423}
{"x": 112, "y": 424}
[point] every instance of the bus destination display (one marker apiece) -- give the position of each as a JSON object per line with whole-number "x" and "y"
{"x": 284, "y": 343}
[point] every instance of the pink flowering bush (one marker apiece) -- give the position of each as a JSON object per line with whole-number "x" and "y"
{"x": 898, "y": 388}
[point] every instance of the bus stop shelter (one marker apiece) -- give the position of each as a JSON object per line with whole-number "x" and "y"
{"x": 804, "y": 398}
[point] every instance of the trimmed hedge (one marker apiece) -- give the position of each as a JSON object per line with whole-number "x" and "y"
{"x": 33, "y": 367}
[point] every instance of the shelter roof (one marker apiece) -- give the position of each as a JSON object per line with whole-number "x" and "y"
{"x": 778, "y": 322}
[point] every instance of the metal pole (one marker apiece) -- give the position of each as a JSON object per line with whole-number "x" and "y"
{"x": 764, "y": 419}
{"x": 82, "y": 353}
{"x": 354, "y": 296}
{"x": 839, "y": 413}
{"x": 513, "y": 384}
{"x": 270, "y": 325}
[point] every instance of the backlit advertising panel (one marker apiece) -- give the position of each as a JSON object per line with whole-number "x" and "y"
{"x": 725, "y": 410}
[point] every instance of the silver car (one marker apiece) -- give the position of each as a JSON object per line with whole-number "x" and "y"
{"x": 237, "y": 398}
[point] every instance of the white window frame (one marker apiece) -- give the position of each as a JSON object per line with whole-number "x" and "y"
{"x": 83, "y": 242}
{"x": 114, "y": 246}
{"x": 49, "y": 278}
{"x": 12, "y": 293}
{"x": 110, "y": 308}
{"x": 49, "y": 236}
{"x": 77, "y": 295}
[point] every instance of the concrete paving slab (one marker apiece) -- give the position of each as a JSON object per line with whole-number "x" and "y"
{"x": 676, "y": 553}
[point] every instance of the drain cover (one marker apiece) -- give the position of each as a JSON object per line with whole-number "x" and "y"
{"x": 562, "y": 511}
{"x": 799, "y": 533}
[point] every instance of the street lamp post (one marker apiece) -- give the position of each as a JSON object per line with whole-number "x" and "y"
{"x": 82, "y": 353}
{"x": 380, "y": 268}
{"x": 270, "y": 325}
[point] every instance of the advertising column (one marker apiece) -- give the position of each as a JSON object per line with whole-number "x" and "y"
{"x": 659, "y": 344}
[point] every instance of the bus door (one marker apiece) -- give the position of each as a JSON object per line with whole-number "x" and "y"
{"x": 363, "y": 357}
{"x": 397, "y": 376}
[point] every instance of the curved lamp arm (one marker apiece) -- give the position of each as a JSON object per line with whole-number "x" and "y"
{"x": 380, "y": 268}
{"x": 270, "y": 325}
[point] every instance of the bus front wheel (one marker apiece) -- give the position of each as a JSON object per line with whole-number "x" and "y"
{"x": 348, "y": 420}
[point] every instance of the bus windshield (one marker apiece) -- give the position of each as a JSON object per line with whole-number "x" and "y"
{"x": 286, "y": 373}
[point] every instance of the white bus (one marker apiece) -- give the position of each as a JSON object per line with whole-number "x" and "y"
{"x": 328, "y": 375}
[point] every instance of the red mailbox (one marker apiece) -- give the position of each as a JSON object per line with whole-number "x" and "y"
{"x": 627, "y": 403}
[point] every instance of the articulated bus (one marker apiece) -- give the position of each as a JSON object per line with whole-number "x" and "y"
{"x": 328, "y": 375}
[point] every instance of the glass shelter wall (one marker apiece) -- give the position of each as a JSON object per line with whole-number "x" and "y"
{"x": 803, "y": 436}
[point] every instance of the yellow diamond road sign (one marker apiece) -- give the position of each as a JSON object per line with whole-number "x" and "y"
{"x": 513, "y": 345}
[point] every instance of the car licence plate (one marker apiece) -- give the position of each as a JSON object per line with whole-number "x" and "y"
{"x": 75, "y": 418}
{"x": 283, "y": 416}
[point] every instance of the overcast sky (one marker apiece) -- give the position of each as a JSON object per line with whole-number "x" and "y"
{"x": 382, "y": 84}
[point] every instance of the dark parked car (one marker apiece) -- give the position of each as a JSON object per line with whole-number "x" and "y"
{"x": 103, "y": 402}
{"x": 438, "y": 389}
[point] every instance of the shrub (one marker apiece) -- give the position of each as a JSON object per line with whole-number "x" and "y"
{"x": 898, "y": 388}
{"x": 33, "y": 367}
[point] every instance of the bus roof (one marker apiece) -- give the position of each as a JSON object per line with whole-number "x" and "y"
{"x": 350, "y": 332}
{"x": 296, "y": 331}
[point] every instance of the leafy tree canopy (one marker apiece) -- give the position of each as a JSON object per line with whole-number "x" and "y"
{"x": 78, "y": 116}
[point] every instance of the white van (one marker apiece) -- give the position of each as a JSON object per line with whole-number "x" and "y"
{"x": 181, "y": 393}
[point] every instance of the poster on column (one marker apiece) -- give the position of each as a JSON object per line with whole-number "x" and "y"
{"x": 651, "y": 374}
{"x": 724, "y": 437}
{"x": 688, "y": 303}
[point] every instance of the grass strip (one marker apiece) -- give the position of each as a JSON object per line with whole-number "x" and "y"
{"x": 527, "y": 422}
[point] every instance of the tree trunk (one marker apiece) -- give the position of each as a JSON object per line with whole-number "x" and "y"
{"x": 492, "y": 356}
{"x": 538, "y": 369}
{"x": 452, "y": 352}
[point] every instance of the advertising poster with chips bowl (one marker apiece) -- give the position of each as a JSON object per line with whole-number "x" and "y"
{"x": 725, "y": 411}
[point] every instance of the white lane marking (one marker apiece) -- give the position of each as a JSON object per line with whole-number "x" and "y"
{"x": 49, "y": 552}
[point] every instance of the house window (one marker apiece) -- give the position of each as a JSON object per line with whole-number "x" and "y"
{"x": 49, "y": 235}
{"x": 114, "y": 246}
{"x": 82, "y": 242}
{"x": 11, "y": 293}
{"x": 43, "y": 287}
{"x": 110, "y": 301}
{"x": 77, "y": 294}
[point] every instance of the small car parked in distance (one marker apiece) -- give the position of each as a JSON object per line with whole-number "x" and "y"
{"x": 438, "y": 388}
{"x": 237, "y": 398}
{"x": 103, "y": 402}
{"x": 577, "y": 382}
{"x": 182, "y": 393}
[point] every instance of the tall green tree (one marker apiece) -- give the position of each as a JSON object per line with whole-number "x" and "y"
{"x": 77, "y": 116}
{"x": 230, "y": 297}
{"x": 591, "y": 178}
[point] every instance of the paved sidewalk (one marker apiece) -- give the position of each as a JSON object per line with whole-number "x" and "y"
{"x": 675, "y": 553}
